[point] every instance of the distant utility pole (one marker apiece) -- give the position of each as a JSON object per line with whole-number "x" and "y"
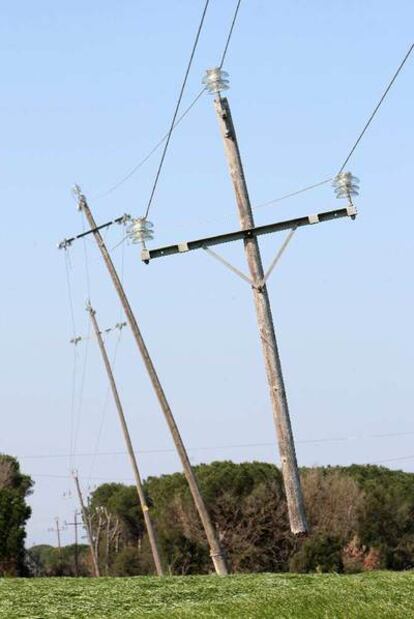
{"x": 57, "y": 529}
{"x": 216, "y": 552}
{"x": 87, "y": 524}
{"x": 215, "y": 82}
{"x": 75, "y": 524}
{"x": 127, "y": 438}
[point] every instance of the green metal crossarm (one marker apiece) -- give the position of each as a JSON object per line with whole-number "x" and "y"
{"x": 169, "y": 250}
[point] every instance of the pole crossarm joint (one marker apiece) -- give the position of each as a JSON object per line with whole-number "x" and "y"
{"x": 261, "y": 283}
{"x": 168, "y": 250}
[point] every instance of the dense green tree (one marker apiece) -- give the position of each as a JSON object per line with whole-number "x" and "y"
{"x": 14, "y": 513}
{"x": 248, "y": 508}
{"x": 318, "y": 553}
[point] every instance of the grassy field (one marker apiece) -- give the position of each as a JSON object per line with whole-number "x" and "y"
{"x": 271, "y": 596}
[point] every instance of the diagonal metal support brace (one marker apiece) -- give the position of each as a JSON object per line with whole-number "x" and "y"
{"x": 277, "y": 257}
{"x": 228, "y": 265}
{"x": 243, "y": 276}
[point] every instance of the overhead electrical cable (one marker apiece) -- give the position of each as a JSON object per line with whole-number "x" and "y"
{"x": 180, "y": 96}
{"x": 151, "y": 152}
{"x": 129, "y": 479}
{"x": 293, "y": 193}
{"x": 315, "y": 441}
{"x": 226, "y": 46}
{"x": 79, "y": 407}
{"x": 356, "y": 143}
{"x": 176, "y": 123}
{"x": 75, "y": 358}
{"x": 104, "y": 409}
{"x": 377, "y": 107}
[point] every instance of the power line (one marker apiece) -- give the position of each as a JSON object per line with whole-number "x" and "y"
{"x": 104, "y": 408}
{"x": 177, "y": 122}
{"x": 180, "y": 96}
{"x": 334, "y": 439}
{"x": 226, "y": 46}
{"x": 293, "y": 193}
{"x": 128, "y": 479}
{"x": 151, "y": 152}
{"x": 351, "y": 152}
{"x": 377, "y": 107}
{"x": 75, "y": 356}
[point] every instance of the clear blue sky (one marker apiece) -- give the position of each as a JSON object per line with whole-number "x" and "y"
{"x": 88, "y": 88}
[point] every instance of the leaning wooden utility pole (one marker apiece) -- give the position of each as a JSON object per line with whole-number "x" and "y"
{"x": 273, "y": 366}
{"x": 87, "y": 524}
{"x": 127, "y": 437}
{"x": 216, "y": 552}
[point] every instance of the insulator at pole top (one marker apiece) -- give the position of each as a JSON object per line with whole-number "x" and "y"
{"x": 346, "y": 185}
{"x": 78, "y": 195}
{"x": 215, "y": 80}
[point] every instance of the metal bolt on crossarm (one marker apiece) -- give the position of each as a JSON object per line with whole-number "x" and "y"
{"x": 215, "y": 82}
{"x": 216, "y": 552}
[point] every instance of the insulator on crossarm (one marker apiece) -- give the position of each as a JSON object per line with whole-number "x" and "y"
{"x": 140, "y": 230}
{"x": 215, "y": 80}
{"x": 346, "y": 185}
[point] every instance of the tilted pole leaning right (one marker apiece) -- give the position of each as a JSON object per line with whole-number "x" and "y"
{"x": 290, "y": 471}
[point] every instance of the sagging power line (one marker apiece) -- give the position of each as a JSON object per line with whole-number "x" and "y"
{"x": 177, "y": 121}
{"x": 310, "y": 441}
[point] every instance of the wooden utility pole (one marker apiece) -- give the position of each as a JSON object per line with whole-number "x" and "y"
{"x": 57, "y": 529}
{"x": 278, "y": 397}
{"x": 127, "y": 437}
{"x": 75, "y": 524}
{"x": 87, "y": 525}
{"x": 216, "y": 552}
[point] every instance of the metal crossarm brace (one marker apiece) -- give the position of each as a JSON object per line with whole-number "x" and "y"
{"x": 168, "y": 250}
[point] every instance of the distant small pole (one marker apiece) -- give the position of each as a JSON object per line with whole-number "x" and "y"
{"x": 75, "y": 524}
{"x": 215, "y": 80}
{"x": 58, "y": 529}
{"x": 216, "y": 552}
{"x": 127, "y": 438}
{"x": 87, "y": 524}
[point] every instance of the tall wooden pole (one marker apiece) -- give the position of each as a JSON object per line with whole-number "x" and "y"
{"x": 278, "y": 397}
{"x": 216, "y": 552}
{"x": 87, "y": 524}
{"x": 127, "y": 437}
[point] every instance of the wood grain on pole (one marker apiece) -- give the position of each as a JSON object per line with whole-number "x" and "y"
{"x": 294, "y": 496}
{"x": 127, "y": 437}
{"x": 87, "y": 524}
{"x": 216, "y": 552}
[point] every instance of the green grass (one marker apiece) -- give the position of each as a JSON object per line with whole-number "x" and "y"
{"x": 373, "y": 595}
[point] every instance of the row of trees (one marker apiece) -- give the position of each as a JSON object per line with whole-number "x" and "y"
{"x": 361, "y": 518}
